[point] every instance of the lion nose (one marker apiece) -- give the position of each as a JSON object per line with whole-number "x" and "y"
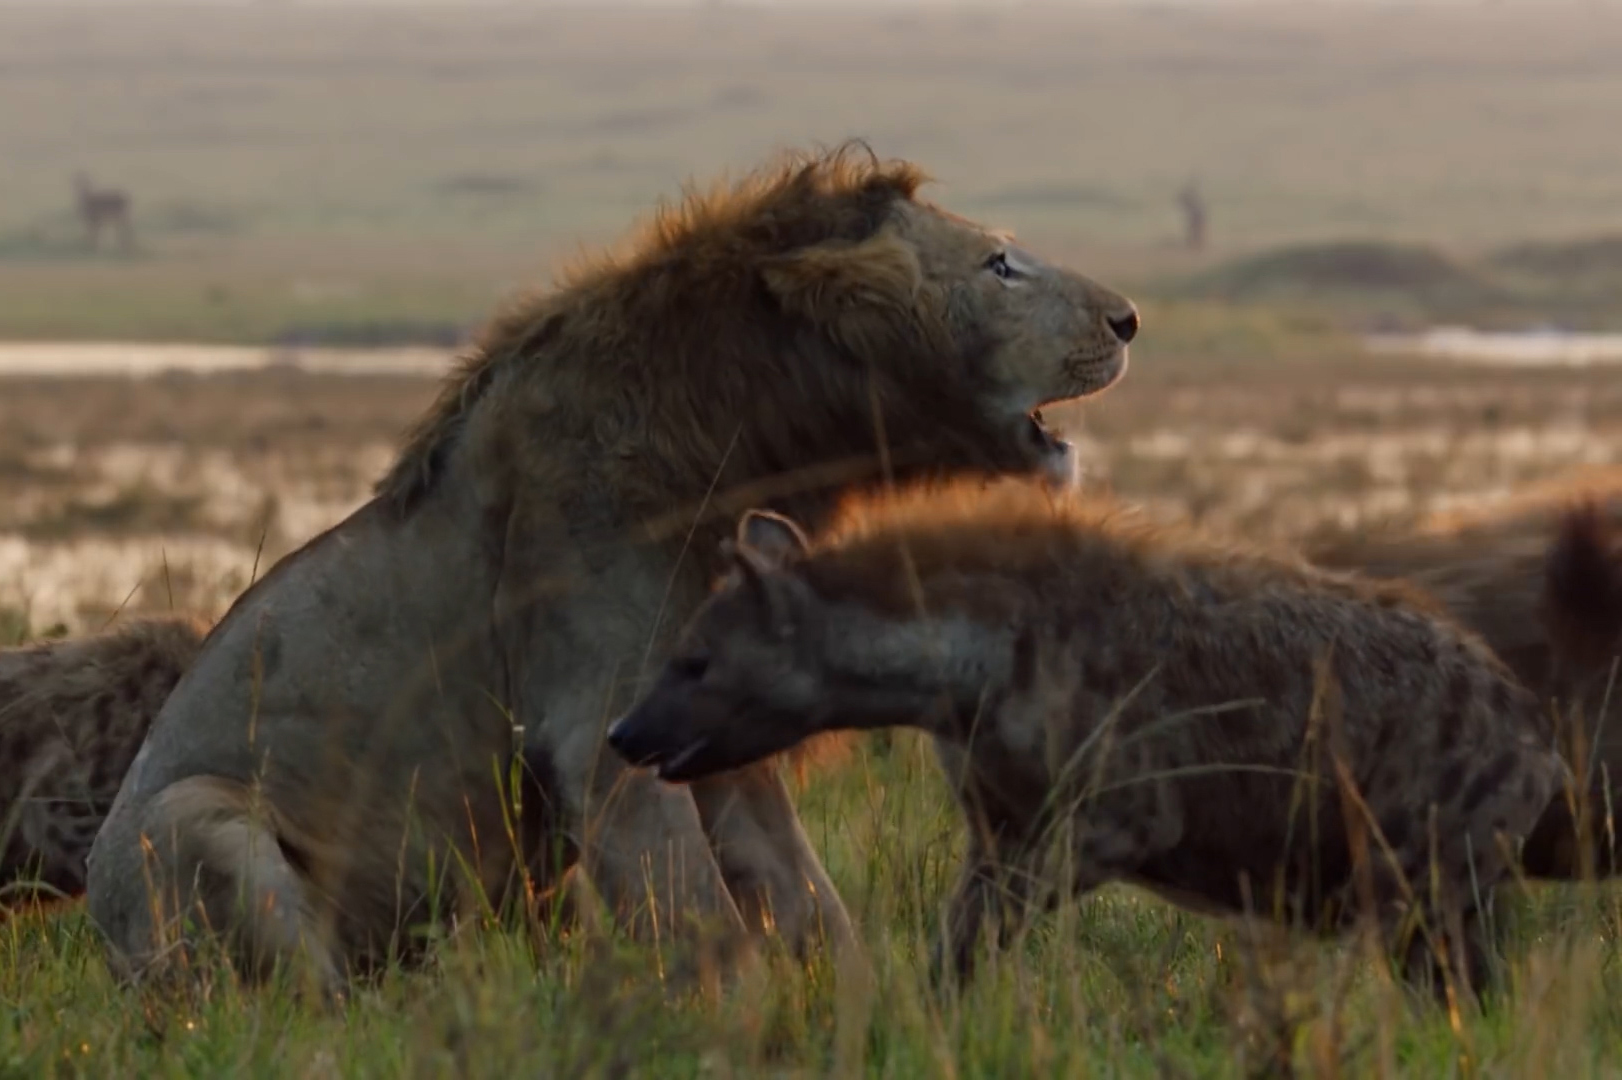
{"x": 1125, "y": 326}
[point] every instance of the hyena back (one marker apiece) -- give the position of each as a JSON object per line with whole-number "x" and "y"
{"x": 73, "y": 714}
{"x": 1542, "y": 584}
{"x": 1157, "y": 699}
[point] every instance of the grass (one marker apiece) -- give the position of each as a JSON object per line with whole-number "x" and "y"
{"x": 1120, "y": 985}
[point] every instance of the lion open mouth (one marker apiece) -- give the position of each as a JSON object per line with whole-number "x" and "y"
{"x": 1054, "y": 457}
{"x": 674, "y": 770}
{"x": 1043, "y": 438}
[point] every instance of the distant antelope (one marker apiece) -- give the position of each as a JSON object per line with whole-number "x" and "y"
{"x": 1194, "y": 216}
{"x": 108, "y": 207}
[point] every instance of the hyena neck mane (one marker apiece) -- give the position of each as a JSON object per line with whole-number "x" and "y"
{"x": 932, "y": 672}
{"x": 963, "y": 588}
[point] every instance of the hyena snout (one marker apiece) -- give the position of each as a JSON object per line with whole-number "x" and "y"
{"x": 648, "y": 739}
{"x": 629, "y": 741}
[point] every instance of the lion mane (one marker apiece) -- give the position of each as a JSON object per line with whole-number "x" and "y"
{"x": 694, "y": 271}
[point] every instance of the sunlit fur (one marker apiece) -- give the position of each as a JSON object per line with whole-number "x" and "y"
{"x": 1162, "y": 696}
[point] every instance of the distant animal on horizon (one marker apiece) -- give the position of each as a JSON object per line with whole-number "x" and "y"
{"x": 1208, "y": 722}
{"x": 103, "y": 208}
{"x": 1195, "y": 215}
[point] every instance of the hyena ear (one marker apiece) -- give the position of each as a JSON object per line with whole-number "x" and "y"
{"x": 861, "y": 294}
{"x": 765, "y": 542}
{"x": 773, "y": 535}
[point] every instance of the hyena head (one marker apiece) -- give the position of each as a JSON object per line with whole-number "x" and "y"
{"x": 745, "y": 681}
{"x": 768, "y": 661}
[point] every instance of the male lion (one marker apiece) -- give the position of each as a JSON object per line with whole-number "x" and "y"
{"x": 1154, "y": 698}
{"x": 334, "y": 759}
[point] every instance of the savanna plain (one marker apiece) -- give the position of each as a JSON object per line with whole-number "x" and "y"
{"x": 388, "y": 176}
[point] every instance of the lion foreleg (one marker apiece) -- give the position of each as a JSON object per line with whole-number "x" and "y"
{"x": 642, "y": 847}
{"x": 213, "y": 868}
{"x": 770, "y": 868}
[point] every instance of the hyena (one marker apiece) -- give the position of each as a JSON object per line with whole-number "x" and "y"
{"x": 1539, "y": 582}
{"x": 1581, "y": 609}
{"x": 72, "y": 716}
{"x": 1231, "y": 729}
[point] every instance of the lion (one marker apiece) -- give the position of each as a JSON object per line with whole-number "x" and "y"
{"x": 335, "y": 768}
{"x": 1521, "y": 576}
{"x": 1160, "y": 699}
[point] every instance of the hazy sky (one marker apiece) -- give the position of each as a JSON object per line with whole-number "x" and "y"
{"x": 1395, "y": 4}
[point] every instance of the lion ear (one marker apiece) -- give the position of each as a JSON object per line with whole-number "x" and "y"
{"x": 860, "y": 293}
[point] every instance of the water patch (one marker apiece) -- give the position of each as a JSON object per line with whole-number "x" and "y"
{"x": 51, "y": 359}
{"x": 1519, "y": 348}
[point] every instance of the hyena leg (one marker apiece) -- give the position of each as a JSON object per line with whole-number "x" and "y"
{"x": 1105, "y": 838}
{"x": 212, "y": 867}
{"x": 1456, "y": 952}
{"x": 1430, "y": 901}
{"x": 770, "y": 868}
{"x": 994, "y": 892}
{"x": 1576, "y": 843}
{"x": 1491, "y": 815}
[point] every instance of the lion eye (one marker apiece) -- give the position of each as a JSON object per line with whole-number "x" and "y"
{"x": 998, "y": 264}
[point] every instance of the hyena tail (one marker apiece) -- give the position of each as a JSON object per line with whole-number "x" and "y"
{"x": 1582, "y": 588}
{"x": 1582, "y": 613}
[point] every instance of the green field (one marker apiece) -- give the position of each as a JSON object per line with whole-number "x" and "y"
{"x": 1122, "y": 986}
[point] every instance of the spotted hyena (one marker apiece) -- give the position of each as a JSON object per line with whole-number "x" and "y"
{"x": 1141, "y": 703}
{"x": 72, "y": 716}
{"x": 1541, "y": 582}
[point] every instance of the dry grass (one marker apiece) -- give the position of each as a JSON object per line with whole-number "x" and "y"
{"x": 108, "y": 480}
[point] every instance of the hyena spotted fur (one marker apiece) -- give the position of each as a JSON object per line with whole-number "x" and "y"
{"x": 1541, "y": 582}
{"x": 1140, "y": 703}
{"x": 72, "y": 716}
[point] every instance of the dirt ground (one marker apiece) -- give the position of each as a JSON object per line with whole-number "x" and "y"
{"x": 177, "y": 490}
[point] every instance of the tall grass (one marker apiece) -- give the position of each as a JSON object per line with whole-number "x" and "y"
{"x": 1116, "y": 985}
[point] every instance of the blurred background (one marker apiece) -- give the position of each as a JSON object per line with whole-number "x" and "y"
{"x": 1378, "y": 246}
